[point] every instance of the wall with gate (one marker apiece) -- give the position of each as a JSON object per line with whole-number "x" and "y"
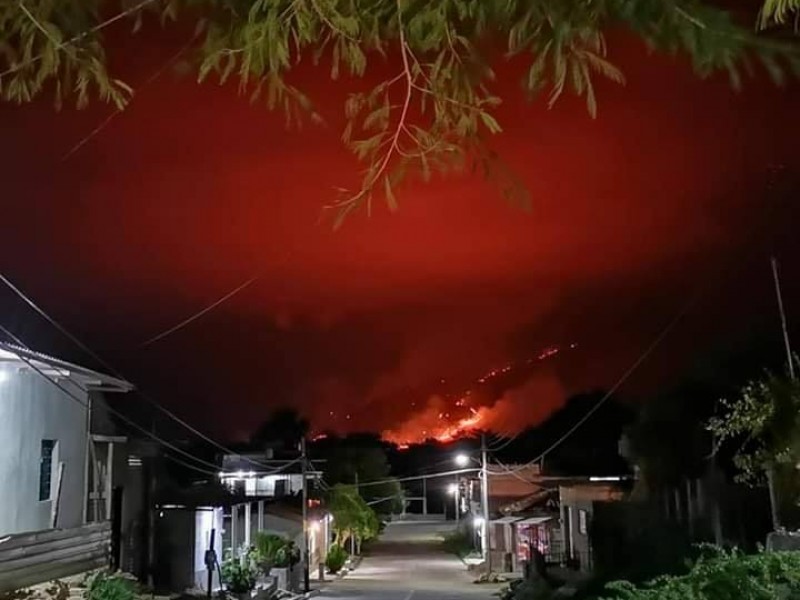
{"x": 36, "y": 557}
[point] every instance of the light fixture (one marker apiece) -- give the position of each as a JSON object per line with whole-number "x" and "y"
{"x": 452, "y": 488}
{"x": 462, "y": 460}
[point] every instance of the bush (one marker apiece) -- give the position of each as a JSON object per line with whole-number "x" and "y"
{"x": 239, "y": 574}
{"x": 336, "y": 558}
{"x": 458, "y": 542}
{"x": 104, "y": 586}
{"x": 721, "y": 575}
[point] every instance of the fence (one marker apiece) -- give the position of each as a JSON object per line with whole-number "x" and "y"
{"x": 36, "y": 557}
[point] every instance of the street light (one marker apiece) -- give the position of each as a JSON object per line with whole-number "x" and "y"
{"x": 462, "y": 460}
{"x": 453, "y": 489}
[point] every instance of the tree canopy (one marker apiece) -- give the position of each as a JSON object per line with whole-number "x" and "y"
{"x": 435, "y": 112}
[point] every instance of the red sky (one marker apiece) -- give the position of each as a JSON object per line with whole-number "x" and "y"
{"x": 192, "y": 190}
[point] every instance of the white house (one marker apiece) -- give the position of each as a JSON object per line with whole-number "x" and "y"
{"x": 258, "y": 474}
{"x": 46, "y": 440}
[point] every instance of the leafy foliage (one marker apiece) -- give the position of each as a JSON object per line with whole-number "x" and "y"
{"x": 361, "y": 457}
{"x": 351, "y": 516}
{"x": 765, "y": 420}
{"x": 778, "y": 12}
{"x": 721, "y": 575}
{"x": 273, "y": 550}
{"x": 336, "y": 558}
{"x": 106, "y": 586}
{"x": 239, "y": 573}
{"x": 435, "y": 111}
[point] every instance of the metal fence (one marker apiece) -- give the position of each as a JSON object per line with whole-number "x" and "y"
{"x": 36, "y": 557}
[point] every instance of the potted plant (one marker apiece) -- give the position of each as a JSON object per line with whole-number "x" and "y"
{"x": 267, "y": 547}
{"x": 239, "y": 574}
{"x": 287, "y": 557}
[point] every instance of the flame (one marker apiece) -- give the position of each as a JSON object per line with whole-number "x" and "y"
{"x": 434, "y": 421}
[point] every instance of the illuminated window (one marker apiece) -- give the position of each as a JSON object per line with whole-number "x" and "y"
{"x": 582, "y": 521}
{"x": 46, "y": 469}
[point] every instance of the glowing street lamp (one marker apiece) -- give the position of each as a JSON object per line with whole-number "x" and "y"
{"x": 462, "y": 460}
{"x": 452, "y": 488}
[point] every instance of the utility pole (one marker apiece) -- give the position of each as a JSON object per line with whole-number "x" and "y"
{"x": 353, "y": 535}
{"x": 425, "y": 496}
{"x": 783, "y": 317}
{"x": 305, "y": 513}
{"x": 773, "y": 494}
{"x": 487, "y": 555}
{"x": 458, "y": 501}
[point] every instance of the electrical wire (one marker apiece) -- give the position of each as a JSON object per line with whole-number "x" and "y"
{"x": 113, "y": 411}
{"x": 79, "y": 37}
{"x": 200, "y": 313}
{"x": 41, "y": 312}
{"x": 642, "y": 357}
{"x": 418, "y": 477}
{"x": 105, "y": 122}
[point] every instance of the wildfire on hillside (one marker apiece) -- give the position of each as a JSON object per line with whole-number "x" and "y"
{"x": 444, "y": 419}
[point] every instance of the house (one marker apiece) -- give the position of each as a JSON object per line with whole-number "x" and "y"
{"x": 61, "y": 465}
{"x": 211, "y": 517}
{"x": 578, "y": 502}
{"x": 261, "y": 474}
{"x": 46, "y": 435}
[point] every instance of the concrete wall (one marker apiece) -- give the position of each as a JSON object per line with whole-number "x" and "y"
{"x": 33, "y": 409}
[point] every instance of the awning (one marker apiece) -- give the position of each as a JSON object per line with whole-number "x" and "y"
{"x": 505, "y": 520}
{"x": 534, "y": 520}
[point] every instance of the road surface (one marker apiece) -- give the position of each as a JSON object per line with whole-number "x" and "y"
{"x": 407, "y": 563}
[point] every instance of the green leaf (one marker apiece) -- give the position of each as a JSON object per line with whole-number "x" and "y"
{"x": 490, "y": 122}
{"x": 390, "y": 199}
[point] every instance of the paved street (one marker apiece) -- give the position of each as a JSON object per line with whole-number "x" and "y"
{"x": 408, "y": 564}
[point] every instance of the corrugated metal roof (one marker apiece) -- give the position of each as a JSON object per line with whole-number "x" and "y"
{"x": 12, "y": 352}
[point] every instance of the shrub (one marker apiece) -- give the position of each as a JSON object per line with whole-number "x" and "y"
{"x": 104, "y": 586}
{"x": 287, "y": 555}
{"x": 268, "y": 547}
{"x": 721, "y": 575}
{"x": 238, "y": 573}
{"x": 336, "y": 558}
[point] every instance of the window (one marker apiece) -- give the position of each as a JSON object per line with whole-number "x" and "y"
{"x": 46, "y": 469}
{"x": 582, "y": 521}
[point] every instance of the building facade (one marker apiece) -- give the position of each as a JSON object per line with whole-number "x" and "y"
{"x": 45, "y": 441}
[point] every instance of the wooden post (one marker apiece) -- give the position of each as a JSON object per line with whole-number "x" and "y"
{"x": 260, "y": 517}
{"x": 57, "y": 496}
{"x": 109, "y": 478}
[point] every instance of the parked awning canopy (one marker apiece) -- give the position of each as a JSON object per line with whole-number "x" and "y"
{"x": 505, "y": 520}
{"x": 534, "y": 520}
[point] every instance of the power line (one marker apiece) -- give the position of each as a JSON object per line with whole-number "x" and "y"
{"x": 199, "y": 314}
{"x": 79, "y": 37}
{"x": 41, "y": 312}
{"x": 419, "y": 477}
{"x": 105, "y": 122}
{"x": 113, "y": 411}
{"x": 649, "y": 350}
